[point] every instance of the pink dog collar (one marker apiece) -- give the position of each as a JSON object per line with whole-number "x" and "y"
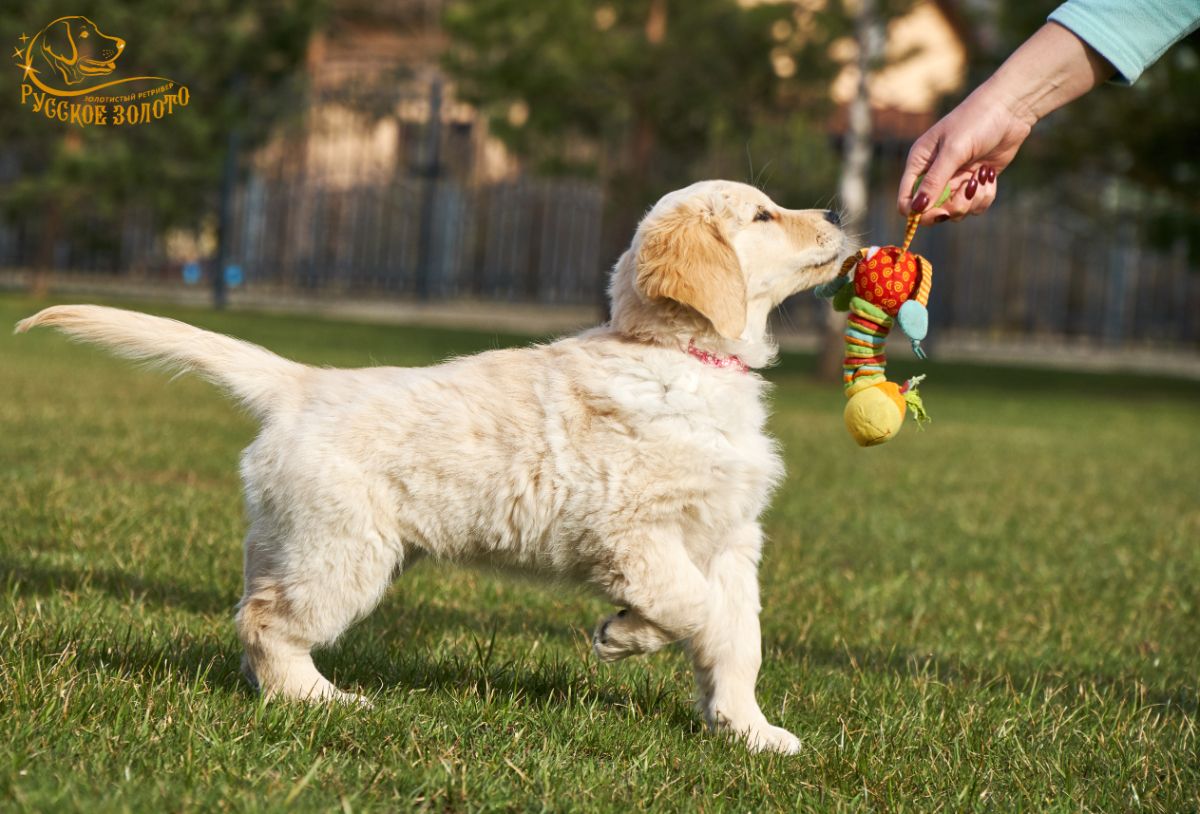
{"x": 718, "y": 359}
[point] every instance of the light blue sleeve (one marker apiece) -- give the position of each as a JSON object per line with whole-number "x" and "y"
{"x": 1132, "y": 35}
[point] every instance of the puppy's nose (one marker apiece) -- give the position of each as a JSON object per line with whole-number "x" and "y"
{"x": 833, "y": 217}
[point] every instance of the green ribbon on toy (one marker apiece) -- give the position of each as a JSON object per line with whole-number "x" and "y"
{"x": 946, "y": 193}
{"x": 913, "y": 399}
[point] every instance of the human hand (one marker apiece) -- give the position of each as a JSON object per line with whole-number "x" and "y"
{"x": 977, "y": 140}
{"x": 966, "y": 150}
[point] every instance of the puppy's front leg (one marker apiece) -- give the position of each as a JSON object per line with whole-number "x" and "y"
{"x": 727, "y": 651}
{"x": 666, "y": 595}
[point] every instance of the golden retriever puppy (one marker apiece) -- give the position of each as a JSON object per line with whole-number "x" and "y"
{"x": 632, "y": 457}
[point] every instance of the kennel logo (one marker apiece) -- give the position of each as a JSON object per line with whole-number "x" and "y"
{"x": 67, "y": 74}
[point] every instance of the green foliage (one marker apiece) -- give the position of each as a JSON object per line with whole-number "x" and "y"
{"x": 604, "y": 98}
{"x": 1008, "y": 623}
{"x": 239, "y": 62}
{"x": 789, "y": 157}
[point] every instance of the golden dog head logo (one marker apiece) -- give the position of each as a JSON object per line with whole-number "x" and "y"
{"x": 75, "y": 49}
{"x": 71, "y": 58}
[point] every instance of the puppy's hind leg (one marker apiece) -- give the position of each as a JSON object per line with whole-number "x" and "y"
{"x": 300, "y": 595}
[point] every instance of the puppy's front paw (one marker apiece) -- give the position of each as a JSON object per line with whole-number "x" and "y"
{"x": 607, "y": 640}
{"x": 352, "y": 699}
{"x": 750, "y": 727}
{"x": 766, "y": 738}
{"x": 625, "y": 634}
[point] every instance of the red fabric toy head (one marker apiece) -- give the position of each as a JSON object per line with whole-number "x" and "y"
{"x": 887, "y": 279}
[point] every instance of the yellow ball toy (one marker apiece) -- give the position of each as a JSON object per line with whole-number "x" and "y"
{"x": 874, "y": 414}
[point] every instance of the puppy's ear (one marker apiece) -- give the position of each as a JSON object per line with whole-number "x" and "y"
{"x": 57, "y": 40}
{"x": 684, "y": 256}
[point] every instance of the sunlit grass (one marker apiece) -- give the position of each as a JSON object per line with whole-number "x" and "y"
{"x": 1000, "y": 613}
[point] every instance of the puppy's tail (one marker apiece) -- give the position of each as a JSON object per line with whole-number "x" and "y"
{"x": 258, "y": 378}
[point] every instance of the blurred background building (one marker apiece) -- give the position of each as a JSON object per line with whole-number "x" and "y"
{"x": 501, "y": 151}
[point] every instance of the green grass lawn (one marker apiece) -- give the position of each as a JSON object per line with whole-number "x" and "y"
{"x": 1014, "y": 624}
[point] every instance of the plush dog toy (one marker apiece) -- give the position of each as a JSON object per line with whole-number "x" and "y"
{"x": 881, "y": 286}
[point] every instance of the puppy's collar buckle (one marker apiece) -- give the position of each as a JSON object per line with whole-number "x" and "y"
{"x": 717, "y": 359}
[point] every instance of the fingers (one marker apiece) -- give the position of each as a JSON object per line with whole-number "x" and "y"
{"x": 945, "y": 163}
{"x": 958, "y": 203}
{"x": 950, "y": 160}
{"x": 919, "y": 157}
{"x": 975, "y": 190}
{"x": 984, "y": 197}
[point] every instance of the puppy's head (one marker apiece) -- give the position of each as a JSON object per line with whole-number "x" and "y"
{"x": 723, "y": 254}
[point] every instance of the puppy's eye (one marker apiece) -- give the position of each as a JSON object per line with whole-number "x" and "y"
{"x": 83, "y": 34}
{"x": 763, "y": 215}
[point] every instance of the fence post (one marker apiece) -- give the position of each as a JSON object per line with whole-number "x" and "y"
{"x": 228, "y": 180}
{"x": 228, "y": 183}
{"x": 431, "y": 171}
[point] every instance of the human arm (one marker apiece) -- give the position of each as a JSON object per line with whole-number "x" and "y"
{"x": 1130, "y": 35}
{"x": 1050, "y": 69}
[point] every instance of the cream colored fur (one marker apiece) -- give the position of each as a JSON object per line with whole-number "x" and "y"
{"x": 614, "y": 457}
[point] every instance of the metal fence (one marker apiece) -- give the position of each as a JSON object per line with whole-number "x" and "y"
{"x": 1017, "y": 272}
{"x": 1013, "y": 274}
{"x": 526, "y": 240}
{"x": 1043, "y": 278}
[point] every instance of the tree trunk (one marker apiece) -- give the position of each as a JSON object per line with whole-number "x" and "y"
{"x": 39, "y": 286}
{"x": 856, "y": 169}
{"x": 644, "y": 136}
{"x": 656, "y": 22}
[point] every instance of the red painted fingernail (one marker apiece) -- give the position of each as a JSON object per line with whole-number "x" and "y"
{"x": 991, "y": 175}
{"x": 972, "y": 186}
{"x": 920, "y": 202}
{"x": 982, "y": 175}
{"x": 941, "y": 219}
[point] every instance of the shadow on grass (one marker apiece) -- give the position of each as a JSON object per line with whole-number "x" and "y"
{"x": 544, "y": 681}
{"x": 212, "y": 663}
{"x": 402, "y": 656}
{"x": 362, "y": 660}
{"x": 43, "y": 579}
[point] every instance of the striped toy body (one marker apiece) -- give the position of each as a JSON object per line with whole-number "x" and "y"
{"x": 867, "y": 328}
{"x": 880, "y": 287}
